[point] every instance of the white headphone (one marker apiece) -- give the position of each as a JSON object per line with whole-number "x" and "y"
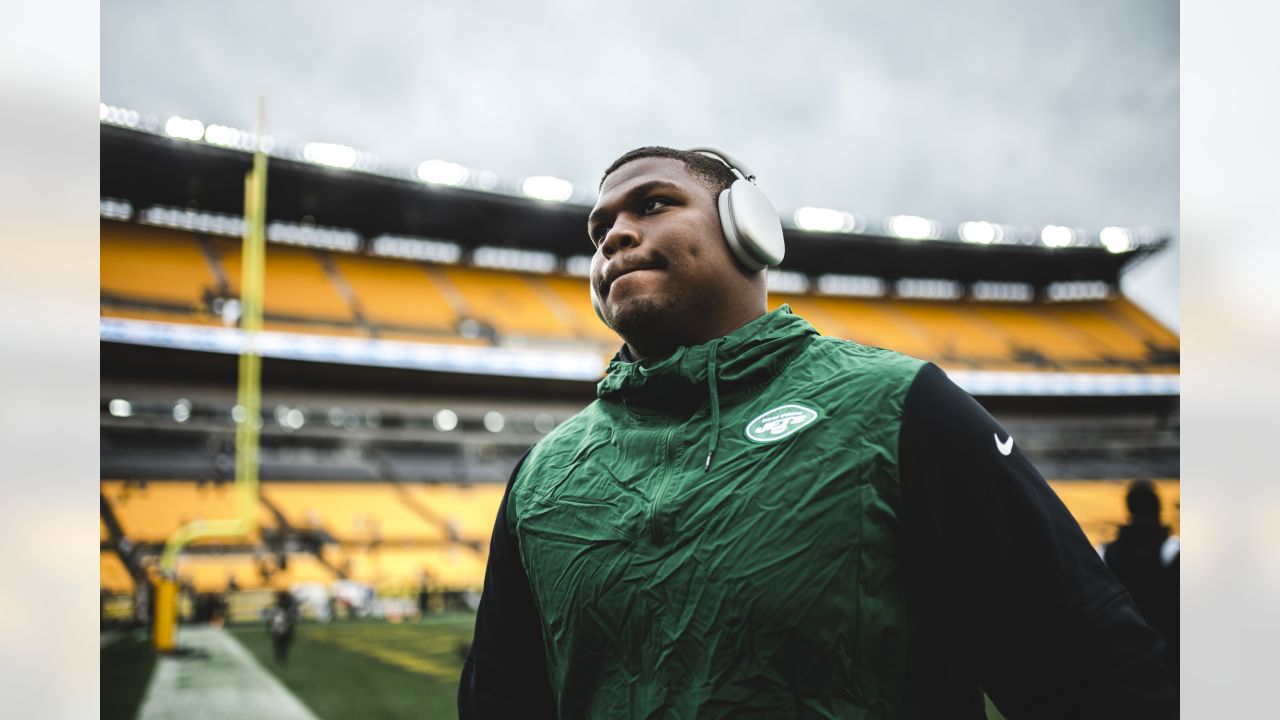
{"x": 750, "y": 224}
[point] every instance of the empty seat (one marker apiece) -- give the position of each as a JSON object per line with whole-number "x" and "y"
{"x": 508, "y": 302}
{"x": 468, "y": 510}
{"x": 151, "y": 265}
{"x": 113, "y": 576}
{"x": 351, "y": 511}
{"x": 397, "y": 293}
{"x": 1098, "y": 505}
{"x": 153, "y": 511}
{"x": 295, "y": 284}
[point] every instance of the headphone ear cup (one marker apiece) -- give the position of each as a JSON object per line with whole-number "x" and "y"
{"x": 751, "y": 226}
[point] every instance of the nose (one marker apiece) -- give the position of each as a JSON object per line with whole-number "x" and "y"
{"x": 621, "y": 236}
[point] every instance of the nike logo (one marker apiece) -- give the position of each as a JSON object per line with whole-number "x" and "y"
{"x": 1005, "y": 447}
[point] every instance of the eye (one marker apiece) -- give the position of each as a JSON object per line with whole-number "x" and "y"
{"x": 653, "y": 203}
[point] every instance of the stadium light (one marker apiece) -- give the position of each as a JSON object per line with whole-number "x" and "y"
{"x": 184, "y": 128}
{"x": 544, "y": 423}
{"x": 103, "y": 111}
{"x": 816, "y": 219}
{"x": 114, "y": 209}
{"x": 440, "y": 172}
{"x": 182, "y": 410}
{"x": 445, "y": 420}
{"x": 1116, "y": 239}
{"x": 993, "y": 291}
{"x": 546, "y": 187}
{"x": 1056, "y": 236}
{"x": 119, "y": 407}
{"x": 912, "y": 227}
{"x": 981, "y": 232}
{"x": 330, "y": 154}
{"x": 494, "y": 422}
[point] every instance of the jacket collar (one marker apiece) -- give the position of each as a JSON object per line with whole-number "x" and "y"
{"x": 748, "y": 357}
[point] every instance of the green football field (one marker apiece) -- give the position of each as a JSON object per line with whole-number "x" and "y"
{"x": 357, "y": 669}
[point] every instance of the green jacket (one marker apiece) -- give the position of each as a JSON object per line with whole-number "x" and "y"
{"x": 776, "y": 524}
{"x": 767, "y": 579}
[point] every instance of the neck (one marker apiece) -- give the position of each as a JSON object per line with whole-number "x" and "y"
{"x": 645, "y": 347}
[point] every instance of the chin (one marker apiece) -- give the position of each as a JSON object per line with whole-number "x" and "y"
{"x": 642, "y": 317}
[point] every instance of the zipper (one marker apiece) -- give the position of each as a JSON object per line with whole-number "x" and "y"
{"x": 666, "y": 461}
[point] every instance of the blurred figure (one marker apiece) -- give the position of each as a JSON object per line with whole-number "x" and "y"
{"x": 281, "y": 621}
{"x": 1145, "y": 558}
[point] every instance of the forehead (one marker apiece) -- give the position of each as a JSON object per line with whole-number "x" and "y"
{"x": 643, "y": 170}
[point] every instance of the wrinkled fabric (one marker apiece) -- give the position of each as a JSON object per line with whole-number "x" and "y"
{"x": 763, "y": 582}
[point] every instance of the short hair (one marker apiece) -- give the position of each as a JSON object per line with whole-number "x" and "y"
{"x": 712, "y": 173}
{"x": 1142, "y": 499}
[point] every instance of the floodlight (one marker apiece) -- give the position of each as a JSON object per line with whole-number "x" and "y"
{"x": 184, "y": 128}
{"x": 823, "y": 219}
{"x": 494, "y": 422}
{"x": 441, "y": 172}
{"x": 980, "y": 232}
{"x": 1056, "y": 236}
{"x": 445, "y": 420}
{"x": 331, "y": 154}
{"x": 912, "y": 227}
{"x": 546, "y": 187}
{"x": 1115, "y": 239}
{"x": 119, "y": 407}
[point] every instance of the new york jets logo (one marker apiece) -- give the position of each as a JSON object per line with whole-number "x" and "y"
{"x": 780, "y": 422}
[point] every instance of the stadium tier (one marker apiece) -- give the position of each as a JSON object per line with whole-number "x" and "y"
{"x": 113, "y": 576}
{"x": 327, "y": 292}
{"x": 152, "y": 511}
{"x": 355, "y": 512}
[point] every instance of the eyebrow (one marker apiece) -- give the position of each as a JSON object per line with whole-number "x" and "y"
{"x": 642, "y": 188}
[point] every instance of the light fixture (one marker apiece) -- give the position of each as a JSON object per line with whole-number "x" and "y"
{"x": 816, "y": 219}
{"x": 330, "y": 154}
{"x": 494, "y": 422}
{"x": 912, "y": 227}
{"x": 119, "y": 407}
{"x": 546, "y": 187}
{"x": 980, "y": 232}
{"x": 1056, "y": 236}
{"x": 184, "y": 128}
{"x": 441, "y": 172}
{"x": 1116, "y": 239}
{"x": 445, "y": 420}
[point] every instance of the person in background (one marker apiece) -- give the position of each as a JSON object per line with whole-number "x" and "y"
{"x": 1145, "y": 558}
{"x": 282, "y": 618}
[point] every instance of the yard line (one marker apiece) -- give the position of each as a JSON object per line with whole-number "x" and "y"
{"x": 216, "y": 678}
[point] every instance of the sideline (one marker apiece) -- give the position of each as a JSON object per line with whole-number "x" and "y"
{"x": 218, "y": 679}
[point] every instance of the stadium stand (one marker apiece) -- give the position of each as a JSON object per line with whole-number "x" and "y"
{"x": 299, "y": 293}
{"x": 151, "y": 511}
{"x": 391, "y": 568}
{"x": 398, "y": 297}
{"x": 113, "y": 576}
{"x": 353, "y": 512}
{"x": 507, "y": 301}
{"x": 468, "y": 510}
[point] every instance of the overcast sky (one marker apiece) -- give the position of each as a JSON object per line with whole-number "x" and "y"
{"x": 1045, "y": 112}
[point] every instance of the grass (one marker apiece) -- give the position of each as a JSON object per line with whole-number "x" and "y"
{"x": 375, "y": 670}
{"x": 353, "y": 669}
{"x": 126, "y": 666}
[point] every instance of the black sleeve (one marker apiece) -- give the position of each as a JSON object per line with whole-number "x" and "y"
{"x": 1014, "y": 598}
{"x": 505, "y": 675}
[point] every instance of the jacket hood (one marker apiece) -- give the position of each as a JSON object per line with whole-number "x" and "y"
{"x": 745, "y": 358}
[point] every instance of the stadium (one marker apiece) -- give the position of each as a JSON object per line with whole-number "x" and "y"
{"x": 423, "y": 325}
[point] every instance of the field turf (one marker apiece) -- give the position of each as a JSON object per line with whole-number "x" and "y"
{"x": 355, "y": 669}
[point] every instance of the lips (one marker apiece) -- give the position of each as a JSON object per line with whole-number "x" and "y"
{"x": 621, "y": 267}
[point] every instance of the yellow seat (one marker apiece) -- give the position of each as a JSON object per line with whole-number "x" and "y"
{"x": 151, "y": 265}
{"x": 352, "y": 511}
{"x": 397, "y": 293}
{"x": 153, "y": 511}
{"x": 1098, "y": 505}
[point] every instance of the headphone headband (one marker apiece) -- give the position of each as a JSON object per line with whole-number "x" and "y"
{"x": 735, "y": 165}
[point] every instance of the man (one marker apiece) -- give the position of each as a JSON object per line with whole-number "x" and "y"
{"x": 753, "y": 520}
{"x": 1144, "y": 557}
